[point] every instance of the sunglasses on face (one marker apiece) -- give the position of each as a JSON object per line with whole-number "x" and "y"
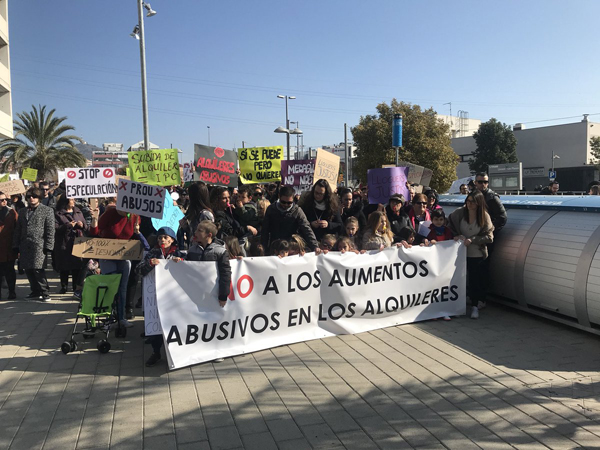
{"x": 258, "y": 194}
{"x": 482, "y": 181}
{"x": 30, "y": 196}
{"x": 285, "y": 203}
{"x": 420, "y": 203}
{"x": 3, "y": 199}
{"x": 45, "y": 189}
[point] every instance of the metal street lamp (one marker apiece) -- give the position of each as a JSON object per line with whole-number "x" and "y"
{"x": 208, "y": 128}
{"x": 553, "y": 158}
{"x": 287, "y": 123}
{"x": 138, "y": 33}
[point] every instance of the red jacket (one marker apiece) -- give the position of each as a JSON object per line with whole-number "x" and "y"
{"x": 112, "y": 225}
{"x": 433, "y": 236}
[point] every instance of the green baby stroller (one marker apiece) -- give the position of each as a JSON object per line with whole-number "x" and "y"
{"x": 96, "y": 308}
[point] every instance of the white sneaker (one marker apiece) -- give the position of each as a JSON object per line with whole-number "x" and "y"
{"x": 447, "y": 318}
{"x": 125, "y": 323}
{"x": 481, "y": 305}
{"x": 475, "y": 313}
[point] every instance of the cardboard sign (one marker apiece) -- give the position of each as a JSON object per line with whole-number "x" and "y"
{"x": 101, "y": 248}
{"x": 215, "y": 165}
{"x": 155, "y": 167}
{"x": 426, "y": 178}
{"x": 171, "y": 216}
{"x": 260, "y": 164}
{"x": 327, "y": 166}
{"x": 12, "y": 187}
{"x": 298, "y": 173}
{"x": 415, "y": 172}
{"x": 140, "y": 198}
{"x": 385, "y": 182}
{"x": 29, "y": 174}
{"x": 90, "y": 182}
{"x": 188, "y": 172}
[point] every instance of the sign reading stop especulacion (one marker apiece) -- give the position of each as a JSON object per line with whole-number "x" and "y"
{"x": 90, "y": 182}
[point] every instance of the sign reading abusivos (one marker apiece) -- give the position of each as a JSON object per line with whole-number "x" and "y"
{"x": 215, "y": 165}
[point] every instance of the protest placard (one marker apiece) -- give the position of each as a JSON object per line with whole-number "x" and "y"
{"x": 171, "y": 216}
{"x": 188, "y": 171}
{"x": 29, "y": 174}
{"x": 61, "y": 175}
{"x": 426, "y": 178}
{"x": 151, "y": 320}
{"x": 141, "y": 198}
{"x": 215, "y": 165}
{"x": 327, "y": 166}
{"x": 415, "y": 172}
{"x": 298, "y": 174}
{"x": 385, "y": 182}
{"x": 4, "y": 178}
{"x": 90, "y": 182}
{"x": 155, "y": 167}
{"x": 101, "y": 248}
{"x": 260, "y": 164}
{"x": 12, "y": 187}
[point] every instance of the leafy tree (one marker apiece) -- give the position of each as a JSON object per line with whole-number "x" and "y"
{"x": 425, "y": 142}
{"x": 496, "y": 144}
{"x": 40, "y": 143}
{"x": 595, "y": 147}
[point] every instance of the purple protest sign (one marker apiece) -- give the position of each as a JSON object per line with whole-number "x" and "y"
{"x": 383, "y": 183}
{"x": 298, "y": 174}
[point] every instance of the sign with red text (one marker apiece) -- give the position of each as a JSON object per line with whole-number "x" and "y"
{"x": 279, "y": 301}
{"x": 215, "y": 165}
{"x": 90, "y": 182}
{"x": 140, "y": 198}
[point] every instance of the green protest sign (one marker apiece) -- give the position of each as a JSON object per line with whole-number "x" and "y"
{"x": 156, "y": 167}
{"x": 29, "y": 174}
{"x": 4, "y": 178}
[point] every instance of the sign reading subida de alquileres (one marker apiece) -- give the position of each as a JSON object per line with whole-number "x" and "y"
{"x": 281, "y": 301}
{"x": 90, "y": 182}
{"x": 140, "y": 198}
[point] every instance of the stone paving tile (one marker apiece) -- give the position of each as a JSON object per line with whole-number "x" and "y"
{"x": 508, "y": 380}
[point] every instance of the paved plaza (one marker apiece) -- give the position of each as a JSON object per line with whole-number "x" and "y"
{"x": 507, "y": 380}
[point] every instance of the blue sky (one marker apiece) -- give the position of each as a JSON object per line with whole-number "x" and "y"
{"x": 222, "y": 64}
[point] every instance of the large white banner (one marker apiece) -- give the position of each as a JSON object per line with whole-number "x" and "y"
{"x": 282, "y": 301}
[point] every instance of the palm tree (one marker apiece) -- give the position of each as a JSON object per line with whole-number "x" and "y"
{"x": 40, "y": 143}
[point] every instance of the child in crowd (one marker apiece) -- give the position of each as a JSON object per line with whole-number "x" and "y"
{"x": 351, "y": 230}
{"x": 328, "y": 242}
{"x": 234, "y": 249}
{"x": 297, "y": 245}
{"x": 378, "y": 235}
{"x": 261, "y": 208}
{"x": 439, "y": 230}
{"x": 346, "y": 244}
{"x": 407, "y": 234}
{"x": 209, "y": 248}
{"x": 280, "y": 247}
{"x": 166, "y": 248}
{"x": 256, "y": 248}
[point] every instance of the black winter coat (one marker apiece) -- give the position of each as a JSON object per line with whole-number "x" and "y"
{"x": 279, "y": 224}
{"x": 355, "y": 210}
{"x": 62, "y": 257}
{"x": 397, "y": 222}
{"x": 495, "y": 209}
{"x": 334, "y": 221}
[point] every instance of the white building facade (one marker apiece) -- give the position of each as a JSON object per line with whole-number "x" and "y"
{"x": 6, "y": 119}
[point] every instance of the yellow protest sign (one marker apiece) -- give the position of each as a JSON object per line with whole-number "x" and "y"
{"x": 4, "y": 178}
{"x": 156, "y": 167}
{"x": 260, "y": 164}
{"x": 327, "y": 166}
{"x": 29, "y": 174}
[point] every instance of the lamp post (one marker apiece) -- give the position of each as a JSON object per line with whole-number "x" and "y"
{"x": 138, "y": 33}
{"x": 297, "y": 138}
{"x": 553, "y": 158}
{"x": 208, "y": 129}
{"x": 287, "y": 123}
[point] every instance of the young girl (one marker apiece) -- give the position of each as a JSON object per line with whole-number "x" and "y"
{"x": 297, "y": 245}
{"x": 407, "y": 234}
{"x": 166, "y": 248}
{"x": 345, "y": 244}
{"x": 328, "y": 242}
{"x": 378, "y": 235}
{"x": 351, "y": 230}
{"x": 232, "y": 244}
{"x": 439, "y": 230}
{"x": 280, "y": 247}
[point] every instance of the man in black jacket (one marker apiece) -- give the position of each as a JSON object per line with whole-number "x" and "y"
{"x": 284, "y": 218}
{"x": 494, "y": 205}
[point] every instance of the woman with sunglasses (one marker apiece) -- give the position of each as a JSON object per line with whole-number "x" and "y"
{"x": 418, "y": 214}
{"x": 472, "y": 225}
{"x": 322, "y": 208}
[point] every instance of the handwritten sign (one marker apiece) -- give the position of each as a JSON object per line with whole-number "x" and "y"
{"x": 327, "y": 166}
{"x": 171, "y": 216}
{"x": 101, "y": 248}
{"x": 415, "y": 172}
{"x": 260, "y": 164}
{"x": 90, "y": 182}
{"x": 426, "y": 178}
{"x": 140, "y": 198}
{"x": 155, "y": 167}
{"x": 188, "y": 171}
{"x": 385, "y": 182}
{"x": 298, "y": 173}
{"x": 12, "y": 187}
{"x": 29, "y": 174}
{"x": 151, "y": 319}
{"x": 215, "y": 165}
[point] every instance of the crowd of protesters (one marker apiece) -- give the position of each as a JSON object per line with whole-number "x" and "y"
{"x": 221, "y": 224}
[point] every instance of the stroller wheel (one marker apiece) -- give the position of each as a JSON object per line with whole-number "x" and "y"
{"x": 66, "y": 347}
{"x": 103, "y": 346}
{"x": 74, "y": 346}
